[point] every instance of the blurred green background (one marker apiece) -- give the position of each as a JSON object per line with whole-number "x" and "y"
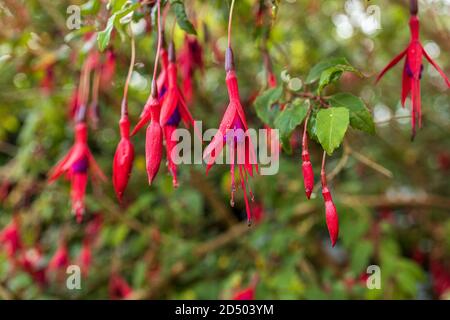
{"x": 392, "y": 194}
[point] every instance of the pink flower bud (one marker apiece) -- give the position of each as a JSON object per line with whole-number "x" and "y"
{"x": 331, "y": 216}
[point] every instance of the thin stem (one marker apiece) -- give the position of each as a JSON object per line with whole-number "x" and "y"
{"x": 304, "y": 140}
{"x": 172, "y": 30}
{"x": 124, "y": 110}
{"x": 230, "y": 18}
{"x": 322, "y": 171}
{"x": 155, "y": 68}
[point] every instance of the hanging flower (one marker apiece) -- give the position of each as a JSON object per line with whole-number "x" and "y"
{"x": 123, "y": 158}
{"x": 60, "y": 259}
{"x": 173, "y": 111}
{"x": 412, "y": 70}
{"x": 10, "y": 238}
{"x": 331, "y": 215}
{"x": 33, "y": 263}
{"x": 118, "y": 288}
{"x": 108, "y": 69}
{"x": 191, "y": 58}
{"x": 85, "y": 257}
{"x": 75, "y": 165}
{"x": 233, "y": 131}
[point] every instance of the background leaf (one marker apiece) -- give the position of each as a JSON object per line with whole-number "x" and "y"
{"x": 265, "y": 106}
{"x": 182, "y": 19}
{"x": 288, "y": 119}
{"x": 360, "y": 117}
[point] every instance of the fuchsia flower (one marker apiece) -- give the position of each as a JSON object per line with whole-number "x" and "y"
{"x": 245, "y": 294}
{"x": 154, "y": 134}
{"x": 108, "y": 69}
{"x": 232, "y": 131}
{"x": 412, "y": 70}
{"x": 123, "y": 158}
{"x": 191, "y": 58}
{"x": 75, "y": 165}
{"x": 60, "y": 259}
{"x": 33, "y": 263}
{"x": 173, "y": 110}
{"x": 85, "y": 257}
{"x": 119, "y": 288}
{"x": 10, "y": 237}
{"x": 308, "y": 173}
{"x": 331, "y": 216}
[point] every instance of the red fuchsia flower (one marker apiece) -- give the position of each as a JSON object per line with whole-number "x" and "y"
{"x": 33, "y": 263}
{"x": 119, "y": 288}
{"x": 10, "y": 237}
{"x": 308, "y": 173}
{"x": 108, "y": 69}
{"x": 245, "y": 294}
{"x": 173, "y": 110}
{"x": 85, "y": 257}
{"x": 413, "y": 68}
{"x": 154, "y": 134}
{"x": 233, "y": 131}
{"x": 75, "y": 165}
{"x": 440, "y": 278}
{"x": 60, "y": 259}
{"x": 191, "y": 58}
{"x": 93, "y": 228}
{"x": 123, "y": 158}
{"x": 330, "y": 209}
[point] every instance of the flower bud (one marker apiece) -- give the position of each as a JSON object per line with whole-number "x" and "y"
{"x": 123, "y": 159}
{"x": 331, "y": 216}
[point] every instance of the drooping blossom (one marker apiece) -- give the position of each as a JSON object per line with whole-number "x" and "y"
{"x": 331, "y": 215}
{"x": 247, "y": 293}
{"x": 123, "y": 158}
{"x": 60, "y": 259}
{"x": 75, "y": 165}
{"x": 119, "y": 288}
{"x": 307, "y": 169}
{"x": 84, "y": 259}
{"x": 190, "y": 59}
{"x": 233, "y": 130}
{"x": 108, "y": 69}
{"x": 412, "y": 70}
{"x": 10, "y": 238}
{"x": 32, "y": 262}
{"x": 173, "y": 110}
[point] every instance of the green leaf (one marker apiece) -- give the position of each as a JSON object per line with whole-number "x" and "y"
{"x": 288, "y": 119}
{"x": 104, "y": 36}
{"x": 265, "y": 106}
{"x": 333, "y": 74}
{"x": 360, "y": 117}
{"x": 332, "y": 123}
{"x": 312, "y": 126}
{"x": 182, "y": 19}
{"x": 316, "y": 71}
